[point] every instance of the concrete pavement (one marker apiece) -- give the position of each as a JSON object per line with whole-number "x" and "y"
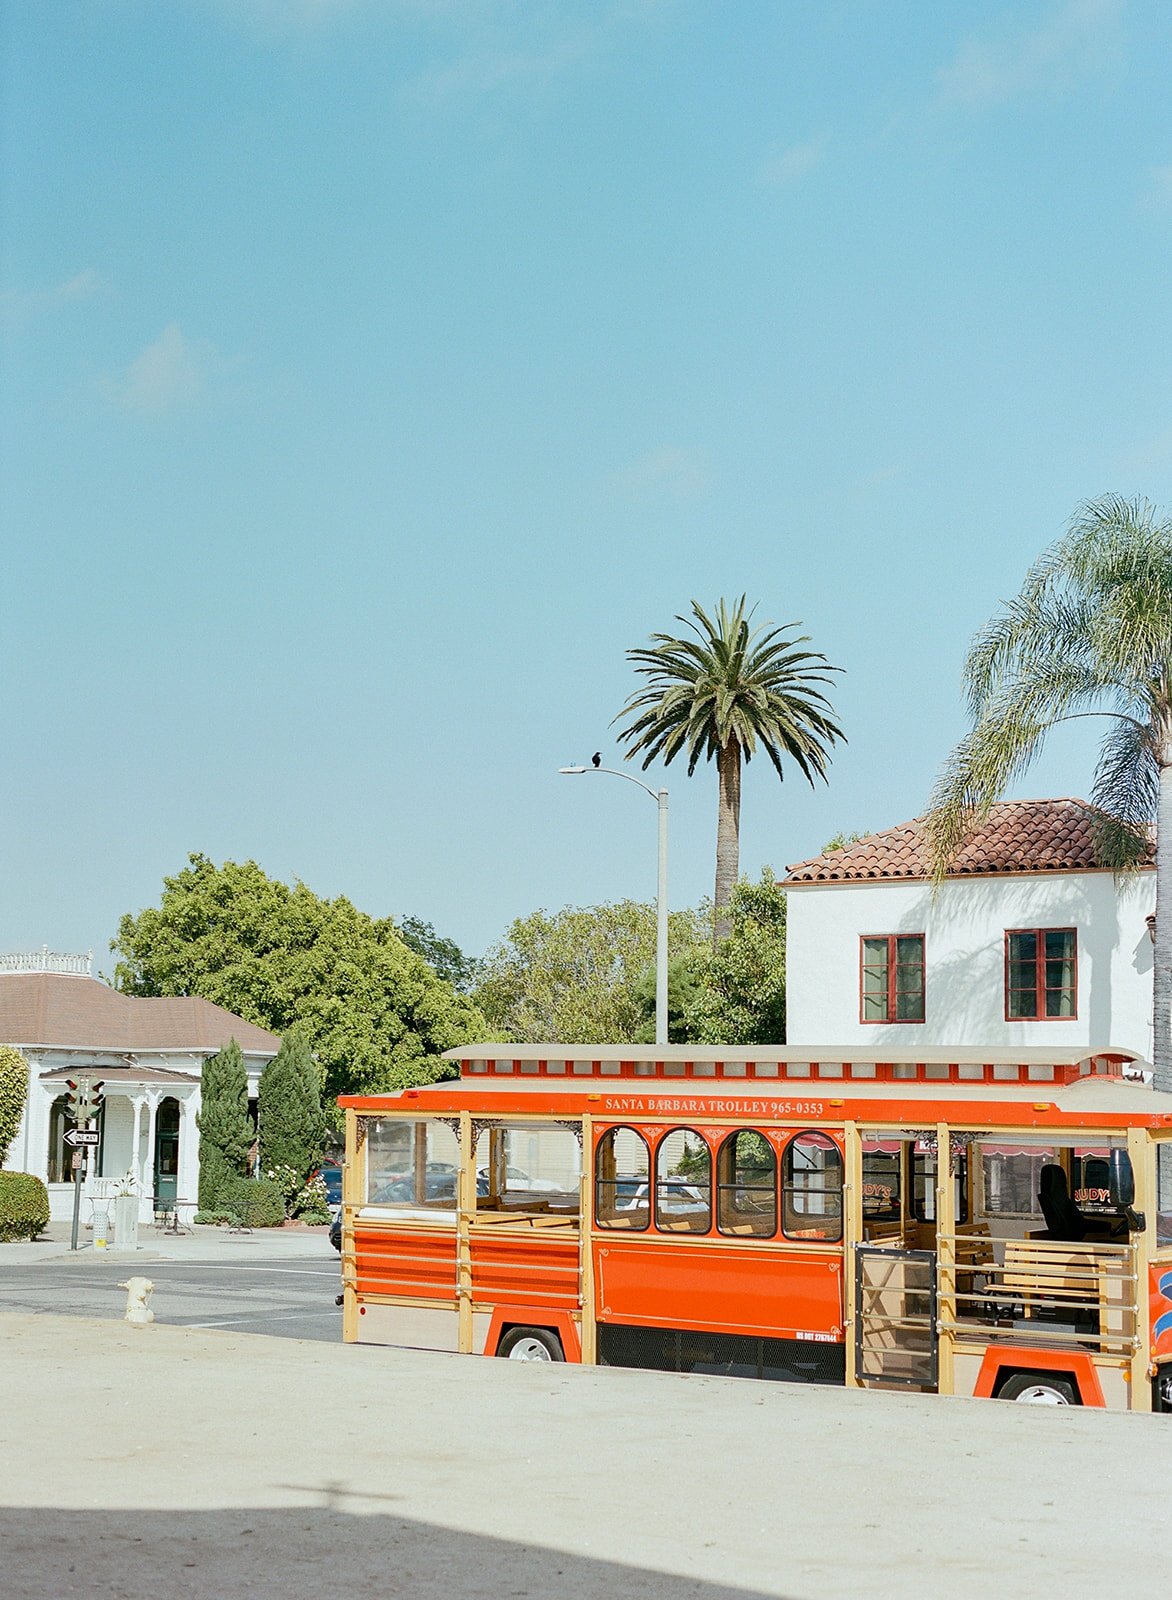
{"x": 156, "y": 1244}
{"x": 172, "y": 1462}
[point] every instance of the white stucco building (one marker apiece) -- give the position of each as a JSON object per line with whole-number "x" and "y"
{"x": 1029, "y": 941}
{"x": 149, "y": 1054}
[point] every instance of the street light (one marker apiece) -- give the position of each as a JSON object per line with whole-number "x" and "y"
{"x": 660, "y": 798}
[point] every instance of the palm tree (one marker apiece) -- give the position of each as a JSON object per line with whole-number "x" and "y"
{"x": 722, "y": 691}
{"x": 1090, "y": 634}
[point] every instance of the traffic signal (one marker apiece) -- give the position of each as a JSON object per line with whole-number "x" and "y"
{"x": 83, "y": 1099}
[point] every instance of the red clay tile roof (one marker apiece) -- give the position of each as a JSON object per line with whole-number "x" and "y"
{"x": 1017, "y": 836}
{"x": 48, "y": 1008}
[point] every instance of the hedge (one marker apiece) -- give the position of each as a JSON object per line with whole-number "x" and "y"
{"x": 24, "y": 1206}
{"x": 255, "y": 1202}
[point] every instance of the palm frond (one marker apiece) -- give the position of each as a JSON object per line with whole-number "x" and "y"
{"x": 723, "y": 682}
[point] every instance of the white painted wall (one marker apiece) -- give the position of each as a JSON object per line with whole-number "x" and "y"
{"x": 964, "y": 939}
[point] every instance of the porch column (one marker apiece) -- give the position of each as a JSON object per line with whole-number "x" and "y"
{"x": 153, "y": 1098}
{"x": 139, "y": 1165}
{"x": 187, "y": 1184}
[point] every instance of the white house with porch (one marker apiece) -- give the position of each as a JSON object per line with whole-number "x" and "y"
{"x": 148, "y": 1052}
{"x": 1030, "y": 940}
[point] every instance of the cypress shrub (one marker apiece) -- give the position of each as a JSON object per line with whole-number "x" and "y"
{"x": 254, "y": 1202}
{"x": 292, "y": 1128}
{"x": 225, "y": 1128}
{"x": 13, "y": 1090}
{"x": 24, "y": 1206}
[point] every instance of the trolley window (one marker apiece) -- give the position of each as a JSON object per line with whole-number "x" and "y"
{"x": 812, "y": 1188}
{"x": 528, "y": 1167}
{"x": 746, "y": 1185}
{"x": 882, "y": 1162}
{"x": 683, "y": 1183}
{"x": 1163, "y": 1194}
{"x": 622, "y": 1180}
{"x": 411, "y": 1164}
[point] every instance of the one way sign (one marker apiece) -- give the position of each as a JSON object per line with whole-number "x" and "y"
{"x": 77, "y": 1136}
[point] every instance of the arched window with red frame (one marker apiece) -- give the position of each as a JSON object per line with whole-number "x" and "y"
{"x": 811, "y": 1187}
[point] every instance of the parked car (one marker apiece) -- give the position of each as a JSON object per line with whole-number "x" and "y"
{"x": 330, "y": 1174}
{"x": 516, "y": 1178}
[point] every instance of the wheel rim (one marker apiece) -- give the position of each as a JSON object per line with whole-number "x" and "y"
{"x": 529, "y": 1349}
{"x": 1041, "y": 1394}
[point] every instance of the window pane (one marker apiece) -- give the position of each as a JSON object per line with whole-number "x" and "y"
{"x": 411, "y": 1164}
{"x": 1060, "y": 944}
{"x": 880, "y": 1183}
{"x": 909, "y": 1007}
{"x": 1059, "y": 975}
{"x": 1022, "y": 975}
{"x": 1023, "y": 1003}
{"x": 1059, "y": 1003}
{"x": 875, "y": 952}
{"x": 1023, "y": 946}
{"x": 746, "y": 1187}
{"x": 622, "y": 1185}
{"x": 875, "y": 988}
{"x": 683, "y": 1183}
{"x": 1164, "y": 1194}
{"x": 529, "y": 1167}
{"x": 910, "y": 948}
{"x": 812, "y": 1188}
{"x": 1011, "y": 1178}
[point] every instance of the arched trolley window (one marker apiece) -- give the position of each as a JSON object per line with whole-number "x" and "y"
{"x": 746, "y": 1185}
{"x": 683, "y": 1183}
{"x": 622, "y": 1180}
{"x": 811, "y": 1189}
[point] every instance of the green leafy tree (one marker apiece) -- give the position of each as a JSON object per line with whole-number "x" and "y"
{"x": 840, "y": 841}
{"x": 573, "y": 976}
{"x": 1090, "y": 634}
{"x": 722, "y": 692}
{"x": 13, "y": 1093}
{"x": 740, "y": 992}
{"x": 374, "y": 1013}
{"x": 290, "y": 1125}
{"x": 683, "y": 986}
{"x": 225, "y": 1128}
{"x": 443, "y": 956}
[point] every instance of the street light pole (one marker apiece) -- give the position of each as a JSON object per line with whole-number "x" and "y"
{"x": 660, "y": 798}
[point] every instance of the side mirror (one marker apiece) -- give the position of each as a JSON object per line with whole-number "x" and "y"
{"x": 1120, "y": 1178}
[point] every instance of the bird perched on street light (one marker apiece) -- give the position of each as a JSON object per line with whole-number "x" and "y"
{"x": 596, "y": 759}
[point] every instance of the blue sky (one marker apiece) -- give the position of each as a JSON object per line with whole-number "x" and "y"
{"x": 376, "y": 372}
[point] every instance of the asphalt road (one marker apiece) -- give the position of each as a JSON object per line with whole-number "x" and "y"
{"x": 288, "y": 1298}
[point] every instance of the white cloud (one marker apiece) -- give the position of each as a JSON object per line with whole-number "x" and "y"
{"x": 1078, "y": 38}
{"x": 667, "y": 473}
{"x": 172, "y": 372}
{"x": 18, "y": 304}
{"x": 786, "y": 165}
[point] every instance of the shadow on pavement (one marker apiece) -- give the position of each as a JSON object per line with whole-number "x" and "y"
{"x": 301, "y": 1553}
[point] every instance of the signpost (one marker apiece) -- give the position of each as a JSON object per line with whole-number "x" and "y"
{"x": 83, "y": 1102}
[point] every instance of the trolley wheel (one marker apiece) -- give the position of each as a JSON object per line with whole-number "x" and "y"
{"x": 1038, "y": 1389}
{"x": 531, "y": 1344}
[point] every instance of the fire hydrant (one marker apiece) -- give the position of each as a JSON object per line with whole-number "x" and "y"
{"x": 138, "y": 1294}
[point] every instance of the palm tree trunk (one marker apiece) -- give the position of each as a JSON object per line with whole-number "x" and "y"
{"x": 1162, "y": 955}
{"x": 728, "y": 836}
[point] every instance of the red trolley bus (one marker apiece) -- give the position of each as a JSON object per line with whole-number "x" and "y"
{"x": 951, "y": 1222}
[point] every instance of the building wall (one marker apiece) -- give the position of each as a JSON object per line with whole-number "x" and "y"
{"x": 964, "y": 931}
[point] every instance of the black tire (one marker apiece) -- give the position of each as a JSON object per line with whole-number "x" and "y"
{"x": 531, "y": 1344}
{"x": 1039, "y": 1388}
